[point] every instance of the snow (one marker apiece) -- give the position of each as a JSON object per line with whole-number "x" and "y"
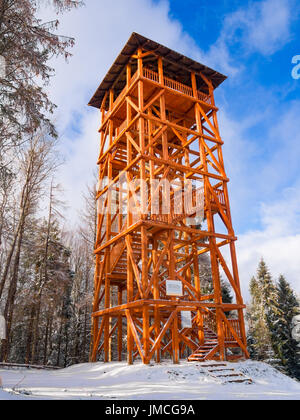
{"x": 117, "y": 380}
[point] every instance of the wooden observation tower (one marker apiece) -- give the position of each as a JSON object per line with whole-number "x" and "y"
{"x": 163, "y": 209}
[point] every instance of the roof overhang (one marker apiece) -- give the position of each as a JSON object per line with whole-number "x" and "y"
{"x": 174, "y": 63}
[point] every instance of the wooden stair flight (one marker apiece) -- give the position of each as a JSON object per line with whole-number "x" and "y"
{"x": 207, "y": 350}
{"x": 225, "y": 373}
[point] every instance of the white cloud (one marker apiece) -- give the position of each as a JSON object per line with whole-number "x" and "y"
{"x": 264, "y": 26}
{"x": 261, "y": 165}
{"x": 269, "y": 29}
{"x": 264, "y": 191}
{"x": 81, "y": 155}
{"x": 278, "y": 241}
{"x": 101, "y": 29}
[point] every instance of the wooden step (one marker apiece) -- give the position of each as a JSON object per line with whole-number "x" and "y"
{"x": 214, "y": 365}
{"x": 229, "y": 375}
{"x": 200, "y": 354}
{"x": 203, "y": 349}
{"x": 207, "y": 346}
{"x": 239, "y": 381}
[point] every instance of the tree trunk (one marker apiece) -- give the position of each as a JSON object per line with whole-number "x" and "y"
{"x": 9, "y": 258}
{"x": 46, "y": 341}
{"x": 9, "y": 307}
{"x": 29, "y": 336}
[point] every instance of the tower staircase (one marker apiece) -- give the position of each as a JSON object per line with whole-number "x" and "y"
{"x": 207, "y": 350}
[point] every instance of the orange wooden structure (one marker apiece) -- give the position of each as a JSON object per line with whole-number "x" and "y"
{"x": 159, "y": 123}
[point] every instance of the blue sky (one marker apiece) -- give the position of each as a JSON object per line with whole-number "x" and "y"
{"x": 253, "y": 43}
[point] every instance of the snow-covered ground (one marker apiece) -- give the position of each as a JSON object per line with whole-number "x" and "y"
{"x": 113, "y": 381}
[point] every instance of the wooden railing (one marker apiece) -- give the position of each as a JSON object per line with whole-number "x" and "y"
{"x": 236, "y": 326}
{"x": 221, "y": 196}
{"x": 192, "y": 206}
{"x": 209, "y": 321}
{"x": 202, "y": 97}
{"x": 169, "y": 83}
{"x": 174, "y": 85}
{"x": 179, "y": 87}
{"x": 151, "y": 75}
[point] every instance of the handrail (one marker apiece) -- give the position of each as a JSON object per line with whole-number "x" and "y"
{"x": 169, "y": 83}
{"x": 150, "y": 74}
{"x": 209, "y": 320}
{"x": 221, "y": 196}
{"x": 180, "y": 87}
{"x": 235, "y": 324}
{"x": 175, "y": 85}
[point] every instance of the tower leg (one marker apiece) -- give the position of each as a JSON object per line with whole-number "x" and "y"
{"x": 175, "y": 342}
{"x": 120, "y": 337}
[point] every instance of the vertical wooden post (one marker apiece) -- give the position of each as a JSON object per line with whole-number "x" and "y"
{"x": 198, "y": 294}
{"x": 236, "y": 278}
{"x": 111, "y": 99}
{"x": 175, "y": 341}
{"x": 163, "y": 109}
{"x": 194, "y": 85}
{"x": 95, "y": 323}
{"x": 120, "y": 335}
{"x": 142, "y": 136}
{"x": 129, "y": 223}
{"x": 212, "y": 242}
{"x": 146, "y": 341}
{"x": 201, "y": 328}
{"x": 128, "y": 75}
{"x": 156, "y": 296}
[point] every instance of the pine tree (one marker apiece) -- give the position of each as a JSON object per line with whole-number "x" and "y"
{"x": 226, "y": 292}
{"x": 27, "y": 45}
{"x": 269, "y": 301}
{"x": 261, "y": 313}
{"x": 285, "y": 347}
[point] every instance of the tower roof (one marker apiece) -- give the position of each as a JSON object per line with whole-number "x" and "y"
{"x": 176, "y": 66}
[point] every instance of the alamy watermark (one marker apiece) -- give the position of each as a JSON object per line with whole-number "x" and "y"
{"x": 155, "y": 198}
{"x": 296, "y": 68}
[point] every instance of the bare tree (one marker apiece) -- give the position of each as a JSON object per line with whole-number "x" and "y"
{"x": 43, "y": 271}
{"x": 38, "y": 162}
{"x": 6, "y": 183}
